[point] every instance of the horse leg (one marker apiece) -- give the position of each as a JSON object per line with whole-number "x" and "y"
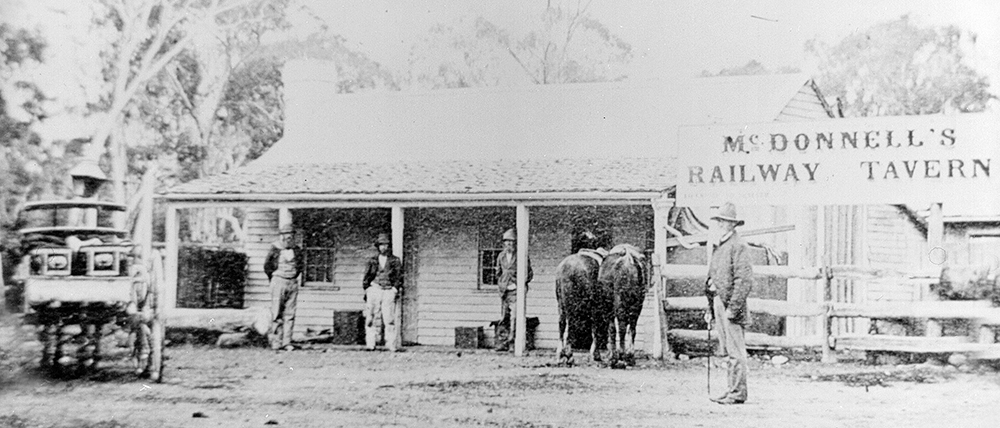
{"x": 630, "y": 350}
{"x": 598, "y": 333}
{"x": 594, "y": 355}
{"x": 616, "y": 348}
{"x": 562, "y": 337}
{"x": 567, "y": 351}
{"x": 564, "y": 353}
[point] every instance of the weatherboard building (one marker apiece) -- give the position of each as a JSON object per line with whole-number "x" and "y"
{"x": 446, "y": 172}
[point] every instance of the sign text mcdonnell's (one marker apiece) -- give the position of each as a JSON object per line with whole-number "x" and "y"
{"x": 888, "y": 160}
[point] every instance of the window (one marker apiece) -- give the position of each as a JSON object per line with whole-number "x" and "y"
{"x": 317, "y": 253}
{"x": 984, "y": 250}
{"x": 490, "y": 247}
{"x": 488, "y": 274}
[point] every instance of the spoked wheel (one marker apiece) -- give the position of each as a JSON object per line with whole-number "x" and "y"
{"x": 157, "y": 326}
{"x": 48, "y": 335}
{"x": 71, "y": 336}
{"x": 156, "y": 351}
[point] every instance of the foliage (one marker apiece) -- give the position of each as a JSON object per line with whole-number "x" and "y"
{"x": 211, "y": 278}
{"x": 751, "y": 68}
{"x": 27, "y": 166}
{"x": 900, "y": 68}
{"x": 213, "y": 104}
{"x": 562, "y": 46}
{"x": 219, "y": 104}
{"x": 147, "y": 37}
{"x": 247, "y": 114}
{"x": 356, "y": 72}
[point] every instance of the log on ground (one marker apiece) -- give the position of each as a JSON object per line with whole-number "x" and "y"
{"x": 222, "y": 320}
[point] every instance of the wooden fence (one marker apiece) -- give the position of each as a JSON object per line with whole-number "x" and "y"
{"x": 981, "y": 344}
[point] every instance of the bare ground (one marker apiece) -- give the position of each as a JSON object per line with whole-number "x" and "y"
{"x": 329, "y": 386}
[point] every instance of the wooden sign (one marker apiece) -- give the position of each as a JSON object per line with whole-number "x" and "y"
{"x": 882, "y": 160}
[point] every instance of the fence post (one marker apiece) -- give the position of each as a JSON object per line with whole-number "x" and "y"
{"x": 3, "y": 287}
{"x": 986, "y": 335}
{"x": 935, "y": 242}
{"x": 825, "y": 320}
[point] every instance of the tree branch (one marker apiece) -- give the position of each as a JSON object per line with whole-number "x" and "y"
{"x": 263, "y": 111}
{"x": 159, "y": 39}
{"x": 188, "y": 104}
{"x": 523, "y": 66}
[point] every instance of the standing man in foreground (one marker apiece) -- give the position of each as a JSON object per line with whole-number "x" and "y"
{"x": 383, "y": 282}
{"x": 506, "y": 266}
{"x": 730, "y": 278}
{"x": 283, "y": 266}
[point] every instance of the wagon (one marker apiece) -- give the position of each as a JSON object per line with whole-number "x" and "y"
{"x": 84, "y": 280}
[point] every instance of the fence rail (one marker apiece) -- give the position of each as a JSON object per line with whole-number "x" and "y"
{"x": 978, "y": 344}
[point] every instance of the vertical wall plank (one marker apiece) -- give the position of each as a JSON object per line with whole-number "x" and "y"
{"x": 522, "y": 275}
{"x": 397, "y": 250}
{"x": 173, "y": 249}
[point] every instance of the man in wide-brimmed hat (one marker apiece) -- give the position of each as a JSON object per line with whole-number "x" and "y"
{"x": 506, "y": 268}
{"x": 383, "y": 282}
{"x": 730, "y": 279}
{"x": 283, "y": 266}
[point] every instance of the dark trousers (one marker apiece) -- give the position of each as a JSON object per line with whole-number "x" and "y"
{"x": 508, "y": 313}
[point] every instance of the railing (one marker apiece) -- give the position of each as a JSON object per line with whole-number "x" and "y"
{"x": 983, "y": 316}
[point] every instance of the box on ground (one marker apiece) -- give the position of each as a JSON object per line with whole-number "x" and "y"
{"x": 470, "y": 337}
{"x": 348, "y": 328}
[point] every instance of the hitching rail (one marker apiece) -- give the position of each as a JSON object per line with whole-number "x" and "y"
{"x": 983, "y": 316}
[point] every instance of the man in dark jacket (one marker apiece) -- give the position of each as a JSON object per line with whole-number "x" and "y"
{"x": 506, "y": 268}
{"x": 283, "y": 266}
{"x": 730, "y": 279}
{"x": 383, "y": 282}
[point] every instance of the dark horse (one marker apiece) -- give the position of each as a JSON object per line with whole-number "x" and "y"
{"x": 625, "y": 272}
{"x": 584, "y": 306}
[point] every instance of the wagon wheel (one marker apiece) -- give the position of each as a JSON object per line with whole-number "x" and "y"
{"x": 54, "y": 341}
{"x": 48, "y": 335}
{"x": 156, "y": 350}
{"x": 157, "y": 327}
{"x": 88, "y": 352}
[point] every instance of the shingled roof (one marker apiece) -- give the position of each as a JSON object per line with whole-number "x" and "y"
{"x": 445, "y": 177}
{"x": 595, "y": 137}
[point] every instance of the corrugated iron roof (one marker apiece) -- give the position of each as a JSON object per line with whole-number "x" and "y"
{"x": 543, "y": 138}
{"x": 585, "y": 120}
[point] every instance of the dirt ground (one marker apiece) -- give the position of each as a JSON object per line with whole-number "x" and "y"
{"x": 331, "y": 386}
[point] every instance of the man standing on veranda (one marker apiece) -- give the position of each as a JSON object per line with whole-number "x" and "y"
{"x": 730, "y": 279}
{"x": 283, "y": 266}
{"x": 382, "y": 283}
{"x": 506, "y": 268}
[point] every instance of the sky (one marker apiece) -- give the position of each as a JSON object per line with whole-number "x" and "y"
{"x": 671, "y": 38}
{"x": 677, "y": 38}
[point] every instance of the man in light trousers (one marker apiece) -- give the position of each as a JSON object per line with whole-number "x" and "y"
{"x": 730, "y": 279}
{"x": 283, "y": 266}
{"x": 383, "y": 283}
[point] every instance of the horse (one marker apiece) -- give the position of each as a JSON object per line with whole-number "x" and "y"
{"x": 584, "y": 305}
{"x": 626, "y": 273}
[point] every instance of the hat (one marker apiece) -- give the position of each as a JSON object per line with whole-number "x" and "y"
{"x": 510, "y": 235}
{"x": 728, "y": 213}
{"x": 285, "y": 229}
{"x": 383, "y": 238}
{"x": 88, "y": 168}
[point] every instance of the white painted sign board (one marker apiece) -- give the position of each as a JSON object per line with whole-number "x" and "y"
{"x": 953, "y": 159}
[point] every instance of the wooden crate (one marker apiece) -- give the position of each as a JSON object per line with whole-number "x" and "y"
{"x": 348, "y": 328}
{"x": 469, "y": 337}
